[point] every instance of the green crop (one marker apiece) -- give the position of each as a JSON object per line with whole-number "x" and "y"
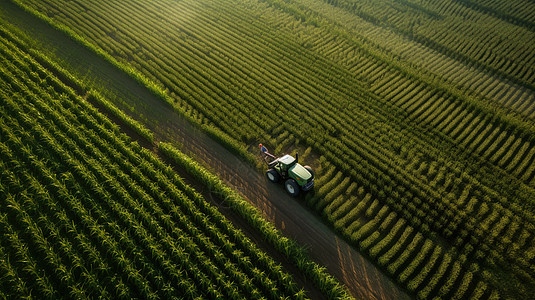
{"x": 427, "y": 107}
{"x": 87, "y": 213}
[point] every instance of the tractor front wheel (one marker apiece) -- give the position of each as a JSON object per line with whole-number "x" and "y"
{"x": 273, "y": 175}
{"x": 292, "y": 187}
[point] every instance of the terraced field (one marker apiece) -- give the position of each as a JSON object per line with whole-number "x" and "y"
{"x": 418, "y": 116}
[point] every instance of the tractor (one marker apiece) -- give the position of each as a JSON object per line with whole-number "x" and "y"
{"x": 296, "y": 178}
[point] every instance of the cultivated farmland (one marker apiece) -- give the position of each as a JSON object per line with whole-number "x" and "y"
{"x": 86, "y": 213}
{"x": 419, "y": 116}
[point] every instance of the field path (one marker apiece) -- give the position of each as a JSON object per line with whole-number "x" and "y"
{"x": 291, "y": 216}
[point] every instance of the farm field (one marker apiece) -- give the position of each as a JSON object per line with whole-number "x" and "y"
{"x": 417, "y": 116}
{"x": 362, "y": 279}
{"x": 86, "y": 213}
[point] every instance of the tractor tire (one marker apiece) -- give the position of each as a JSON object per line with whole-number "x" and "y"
{"x": 292, "y": 187}
{"x": 273, "y": 175}
{"x": 310, "y": 170}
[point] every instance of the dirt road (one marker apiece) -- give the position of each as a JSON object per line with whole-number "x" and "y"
{"x": 291, "y": 216}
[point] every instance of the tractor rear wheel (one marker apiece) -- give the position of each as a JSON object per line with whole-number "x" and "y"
{"x": 273, "y": 175}
{"x": 292, "y": 187}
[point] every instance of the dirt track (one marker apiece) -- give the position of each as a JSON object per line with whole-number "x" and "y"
{"x": 291, "y": 216}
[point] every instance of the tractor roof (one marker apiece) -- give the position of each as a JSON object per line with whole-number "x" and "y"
{"x": 287, "y": 159}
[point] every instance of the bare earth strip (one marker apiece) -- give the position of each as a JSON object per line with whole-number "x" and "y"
{"x": 291, "y": 216}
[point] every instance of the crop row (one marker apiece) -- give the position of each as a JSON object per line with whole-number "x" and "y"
{"x": 523, "y": 162}
{"x": 412, "y": 259}
{"x": 520, "y": 13}
{"x": 407, "y": 93}
{"x": 105, "y": 212}
{"x": 524, "y": 103}
{"x": 456, "y": 72}
{"x": 255, "y": 219}
{"x": 399, "y": 138}
{"x": 467, "y": 128}
{"x": 458, "y": 31}
{"x": 269, "y": 126}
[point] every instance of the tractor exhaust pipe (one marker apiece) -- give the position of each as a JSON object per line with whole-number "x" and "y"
{"x": 296, "y": 157}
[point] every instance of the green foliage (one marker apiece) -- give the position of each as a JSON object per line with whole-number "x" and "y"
{"x": 137, "y": 127}
{"x": 433, "y": 124}
{"x": 86, "y": 213}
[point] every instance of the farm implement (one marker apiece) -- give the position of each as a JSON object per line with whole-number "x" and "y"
{"x": 287, "y": 169}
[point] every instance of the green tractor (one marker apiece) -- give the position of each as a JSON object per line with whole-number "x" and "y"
{"x": 286, "y": 168}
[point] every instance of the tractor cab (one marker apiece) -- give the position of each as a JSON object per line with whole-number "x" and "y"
{"x": 285, "y": 163}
